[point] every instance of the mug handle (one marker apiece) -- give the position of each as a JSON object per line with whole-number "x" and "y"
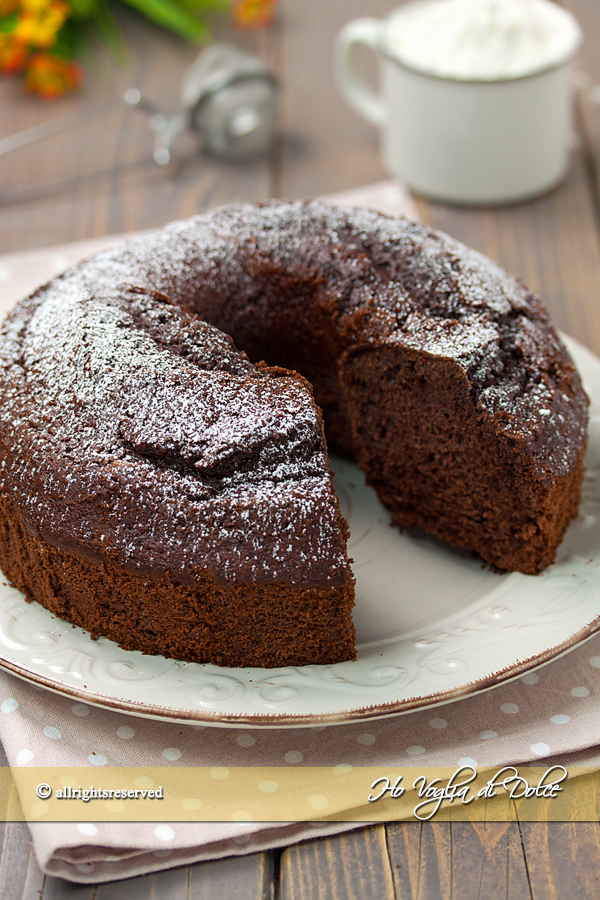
{"x": 359, "y": 95}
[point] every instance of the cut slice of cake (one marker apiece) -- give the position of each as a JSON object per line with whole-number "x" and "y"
{"x": 178, "y": 498}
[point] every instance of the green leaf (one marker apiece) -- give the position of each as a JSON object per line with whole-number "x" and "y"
{"x": 109, "y": 32}
{"x": 173, "y": 16}
{"x": 83, "y": 9}
{"x": 7, "y": 23}
{"x": 68, "y": 40}
{"x": 207, "y": 6}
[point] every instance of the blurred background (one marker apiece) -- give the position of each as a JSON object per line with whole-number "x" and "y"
{"x": 100, "y": 178}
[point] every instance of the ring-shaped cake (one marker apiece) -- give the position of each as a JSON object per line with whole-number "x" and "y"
{"x": 164, "y": 471}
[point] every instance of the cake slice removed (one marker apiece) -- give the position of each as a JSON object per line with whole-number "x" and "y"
{"x": 178, "y": 498}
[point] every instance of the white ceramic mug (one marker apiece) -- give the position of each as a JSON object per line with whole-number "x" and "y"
{"x": 462, "y": 141}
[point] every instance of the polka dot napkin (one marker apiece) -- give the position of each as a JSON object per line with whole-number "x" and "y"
{"x": 551, "y": 713}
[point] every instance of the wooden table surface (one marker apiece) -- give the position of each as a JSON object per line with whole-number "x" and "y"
{"x": 100, "y": 179}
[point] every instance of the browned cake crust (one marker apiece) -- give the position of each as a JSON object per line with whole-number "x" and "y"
{"x": 159, "y": 488}
{"x": 227, "y": 624}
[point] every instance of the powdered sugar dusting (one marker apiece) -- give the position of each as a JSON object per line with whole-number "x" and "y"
{"x": 131, "y": 427}
{"x": 122, "y": 445}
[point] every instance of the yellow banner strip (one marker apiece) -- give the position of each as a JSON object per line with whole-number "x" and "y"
{"x": 284, "y": 794}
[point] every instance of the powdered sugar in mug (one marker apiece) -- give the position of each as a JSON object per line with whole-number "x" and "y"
{"x": 475, "y": 102}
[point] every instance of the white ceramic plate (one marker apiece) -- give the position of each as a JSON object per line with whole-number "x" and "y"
{"x": 433, "y": 625}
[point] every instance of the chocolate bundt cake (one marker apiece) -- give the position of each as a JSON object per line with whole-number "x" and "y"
{"x": 162, "y": 485}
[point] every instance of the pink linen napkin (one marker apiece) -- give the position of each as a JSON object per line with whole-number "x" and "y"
{"x": 551, "y": 713}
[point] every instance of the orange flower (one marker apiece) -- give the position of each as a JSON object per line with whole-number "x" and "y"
{"x": 13, "y": 55}
{"x": 50, "y": 76}
{"x": 39, "y": 22}
{"x": 253, "y": 13}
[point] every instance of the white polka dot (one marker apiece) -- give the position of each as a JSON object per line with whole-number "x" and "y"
{"x": 52, "y": 733}
{"x": 318, "y": 801}
{"x": 580, "y": 692}
{"x": 509, "y": 708}
{"x": 467, "y": 761}
{"x": 219, "y": 773}
{"x": 245, "y": 740}
{"x": 85, "y": 868}
{"x": 595, "y": 662}
{"x": 39, "y": 810}
{"x": 560, "y": 719}
{"x": 143, "y": 782}
{"x": 342, "y": 769}
{"x": 293, "y": 757}
{"x": 96, "y": 759}
{"x": 9, "y": 705}
{"x": 5, "y": 272}
{"x": 530, "y": 678}
{"x": 268, "y": 787}
{"x": 438, "y": 723}
{"x": 241, "y": 817}
{"x": 415, "y": 750}
{"x": 191, "y": 803}
{"x": 488, "y": 735}
{"x": 540, "y": 749}
{"x": 366, "y": 739}
{"x": 242, "y": 838}
{"x": 23, "y": 757}
{"x": 87, "y": 828}
{"x": 164, "y": 832}
{"x": 172, "y": 753}
{"x": 125, "y": 732}
{"x": 80, "y": 709}
{"x": 67, "y": 781}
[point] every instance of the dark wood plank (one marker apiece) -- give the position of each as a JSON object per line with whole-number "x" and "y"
{"x": 350, "y": 866}
{"x": 328, "y": 147}
{"x": 461, "y": 859}
{"x": 171, "y": 883}
{"x": 58, "y": 889}
{"x": 563, "y": 859}
{"x": 238, "y": 878}
{"x": 421, "y": 860}
{"x": 586, "y": 12}
{"x": 488, "y": 856}
{"x": 488, "y": 861}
